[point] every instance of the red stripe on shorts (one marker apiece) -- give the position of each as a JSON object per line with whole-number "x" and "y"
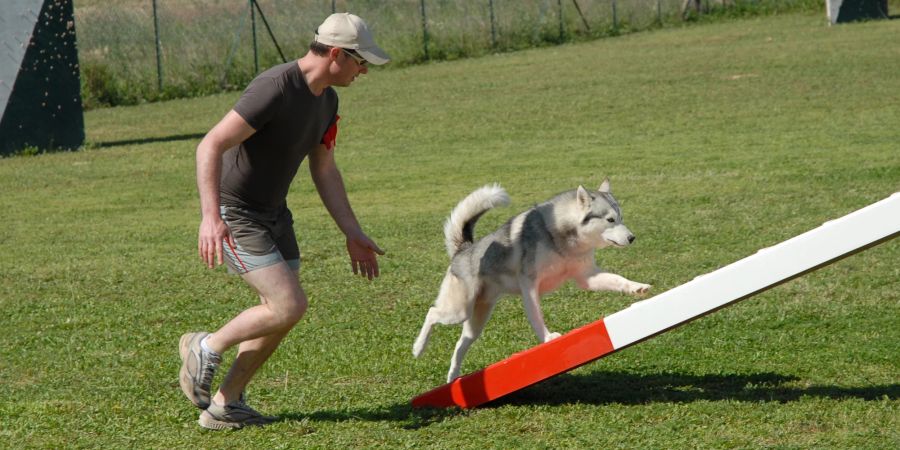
{"x": 234, "y": 252}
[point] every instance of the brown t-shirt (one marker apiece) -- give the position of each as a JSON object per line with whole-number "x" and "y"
{"x": 290, "y": 122}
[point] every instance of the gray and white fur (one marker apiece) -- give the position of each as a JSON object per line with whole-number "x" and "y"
{"x": 532, "y": 254}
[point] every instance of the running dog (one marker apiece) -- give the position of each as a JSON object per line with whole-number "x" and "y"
{"x": 532, "y": 254}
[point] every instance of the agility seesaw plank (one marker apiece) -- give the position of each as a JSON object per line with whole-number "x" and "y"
{"x": 769, "y": 267}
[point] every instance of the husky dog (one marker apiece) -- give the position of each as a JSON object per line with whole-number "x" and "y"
{"x": 532, "y": 254}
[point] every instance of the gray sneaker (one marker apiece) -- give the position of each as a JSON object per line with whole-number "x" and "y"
{"x": 232, "y": 415}
{"x": 197, "y": 369}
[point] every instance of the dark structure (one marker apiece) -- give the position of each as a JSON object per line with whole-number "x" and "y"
{"x": 40, "y": 88}
{"x": 840, "y": 11}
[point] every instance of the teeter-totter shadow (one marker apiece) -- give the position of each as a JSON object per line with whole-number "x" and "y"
{"x": 607, "y": 388}
{"x": 602, "y": 388}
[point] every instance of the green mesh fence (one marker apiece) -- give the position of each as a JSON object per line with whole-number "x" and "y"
{"x": 205, "y": 46}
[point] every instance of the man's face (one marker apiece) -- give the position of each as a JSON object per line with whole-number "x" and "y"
{"x": 349, "y": 66}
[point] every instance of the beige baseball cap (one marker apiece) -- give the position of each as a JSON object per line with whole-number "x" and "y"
{"x": 348, "y": 31}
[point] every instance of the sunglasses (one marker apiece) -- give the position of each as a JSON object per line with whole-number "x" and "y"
{"x": 356, "y": 57}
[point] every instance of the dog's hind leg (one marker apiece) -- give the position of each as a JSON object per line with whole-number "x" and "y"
{"x": 453, "y": 306}
{"x": 472, "y": 329}
{"x": 425, "y": 333}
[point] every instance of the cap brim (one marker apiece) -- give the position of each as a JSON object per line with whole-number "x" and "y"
{"x": 374, "y": 55}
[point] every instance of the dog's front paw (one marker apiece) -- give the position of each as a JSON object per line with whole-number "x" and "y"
{"x": 452, "y": 374}
{"x": 638, "y": 288}
{"x": 551, "y": 336}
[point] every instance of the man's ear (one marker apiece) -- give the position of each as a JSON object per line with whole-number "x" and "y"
{"x": 334, "y": 52}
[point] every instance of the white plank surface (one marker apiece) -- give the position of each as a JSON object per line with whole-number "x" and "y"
{"x": 755, "y": 273}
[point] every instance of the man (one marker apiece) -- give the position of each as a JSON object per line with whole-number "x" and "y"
{"x": 245, "y": 166}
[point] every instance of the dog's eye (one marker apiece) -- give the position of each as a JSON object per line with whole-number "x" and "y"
{"x": 610, "y": 220}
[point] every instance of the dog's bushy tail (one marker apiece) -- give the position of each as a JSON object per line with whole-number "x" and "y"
{"x": 460, "y": 226}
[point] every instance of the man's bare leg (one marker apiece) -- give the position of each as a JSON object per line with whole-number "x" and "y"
{"x": 260, "y": 329}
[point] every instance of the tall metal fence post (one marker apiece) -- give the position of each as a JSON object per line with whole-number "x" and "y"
{"x": 424, "y": 28}
{"x": 269, "y": 30}
{"x": 615, "y": 17}
{"x": 562, "y": 30}
{"x": 493, "y": 27}
{"x": 255, "y": 48}
{"x": 159, "y": 79}
{"x": 333, "y": 6}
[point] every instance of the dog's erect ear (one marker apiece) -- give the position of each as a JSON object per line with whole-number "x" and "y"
{"x": 584, "y": 198}
{"x": 604, "y": 187}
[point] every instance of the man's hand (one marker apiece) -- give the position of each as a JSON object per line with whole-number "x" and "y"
{"x": 229, "y": 132}
{"x": 362, "y": 252}
{"x": 213, "y": 232}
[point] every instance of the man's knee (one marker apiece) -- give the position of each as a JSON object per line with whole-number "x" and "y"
{"x": 287, "y": 310}
{"x": 295, "y": 309}
{"x": 280, "y": 292}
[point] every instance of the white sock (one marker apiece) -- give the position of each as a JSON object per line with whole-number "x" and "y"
{"x": 206, "y": 347}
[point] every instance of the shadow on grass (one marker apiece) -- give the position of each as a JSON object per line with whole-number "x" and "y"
{"x": 177, "y": 137}
{"x": 605, "y": 388}
{"x": 601, "y": 388}
{"x": 411, "y": 418}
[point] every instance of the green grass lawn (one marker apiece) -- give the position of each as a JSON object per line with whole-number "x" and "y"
{"x": 719, "y": 140}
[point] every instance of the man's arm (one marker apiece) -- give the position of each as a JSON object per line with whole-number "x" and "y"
{"x": 229, "y": 132}
{"x": 330, "y": 185}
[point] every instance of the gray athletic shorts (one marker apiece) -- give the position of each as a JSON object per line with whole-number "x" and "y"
{"x": 262, "y": 239}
